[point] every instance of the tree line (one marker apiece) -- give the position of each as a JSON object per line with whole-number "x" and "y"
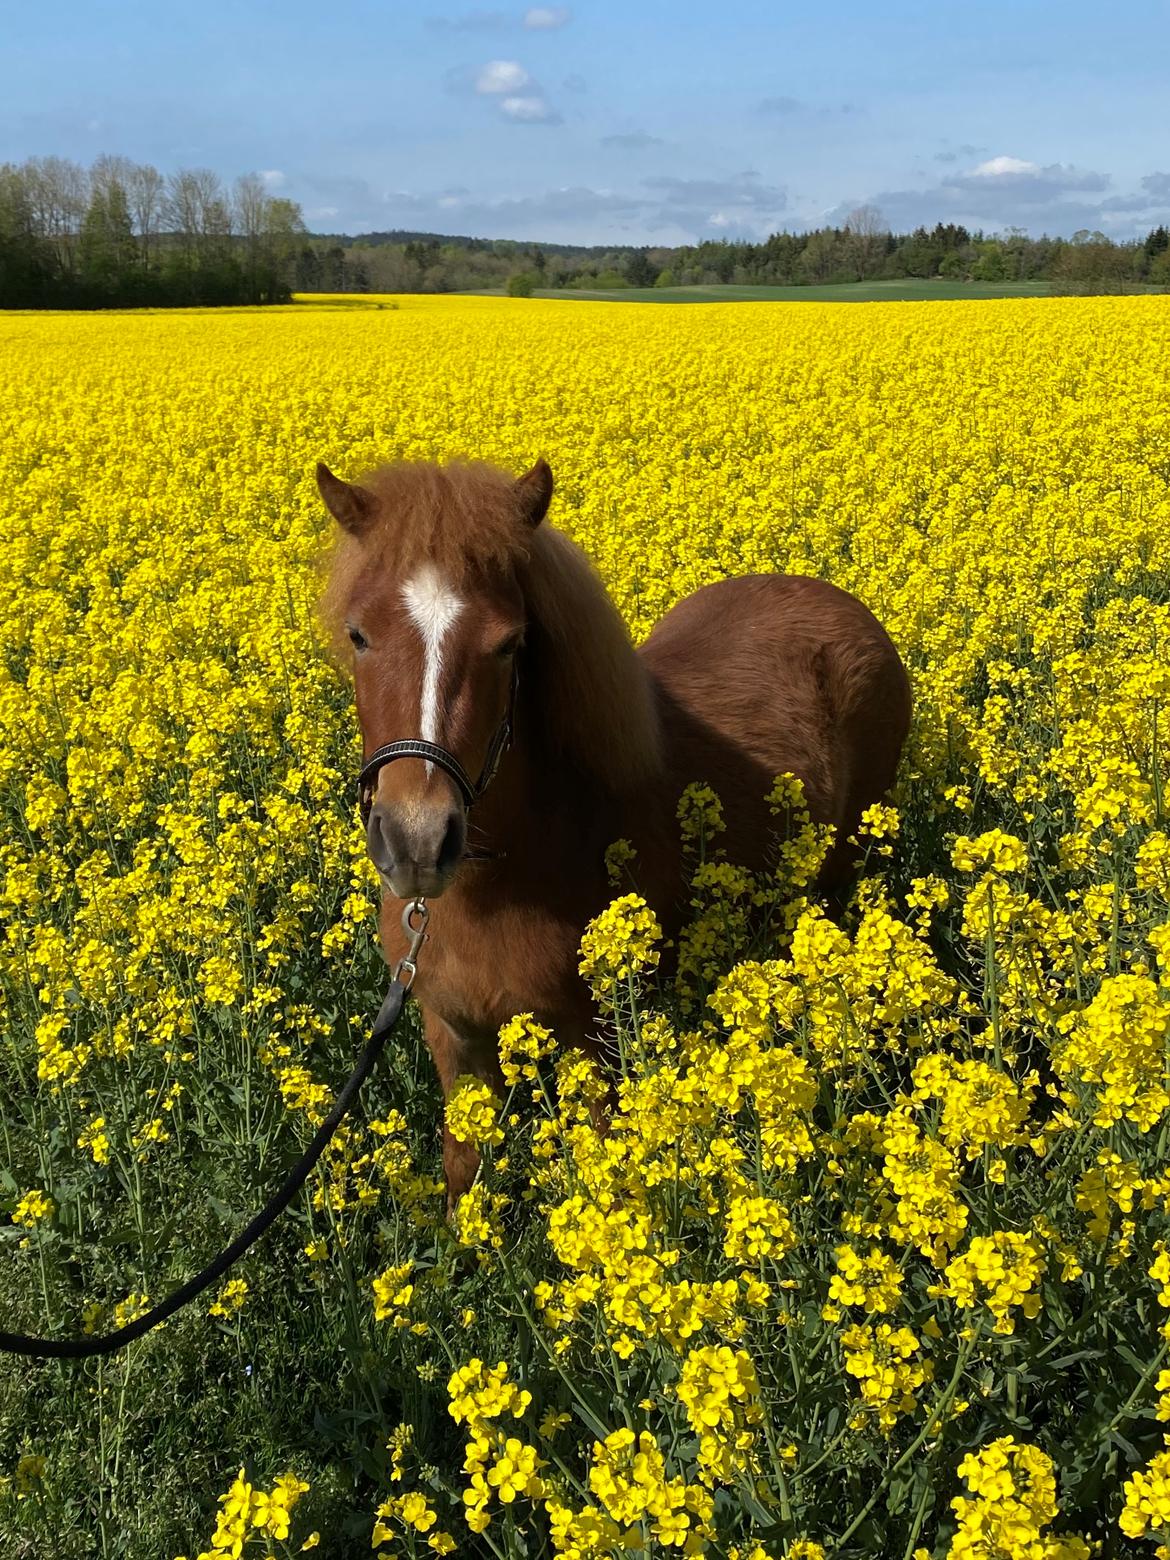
{"x": 861, "y": 249}
{"x": 121, "y": 234}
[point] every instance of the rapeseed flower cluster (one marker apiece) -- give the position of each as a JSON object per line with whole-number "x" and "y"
{"x": 473, "y": 1113}
{"x": 1012, "y": 1500}
{"x": 619, "y": 944}
{"x": 247, "y": 1513}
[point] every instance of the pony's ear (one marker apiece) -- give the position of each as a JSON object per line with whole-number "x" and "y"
{"x": 351, "y": 506}
{"x": 534, "y": 490}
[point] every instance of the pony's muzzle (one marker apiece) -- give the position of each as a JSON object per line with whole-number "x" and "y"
{"x": 417, "y": 848}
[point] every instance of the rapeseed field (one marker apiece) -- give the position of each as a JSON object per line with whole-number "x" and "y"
{"x": 874, "y": 1258}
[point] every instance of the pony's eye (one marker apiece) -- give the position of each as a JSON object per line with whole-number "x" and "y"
{"x": 358, "y": 639}
{"x": 509, "y": 647}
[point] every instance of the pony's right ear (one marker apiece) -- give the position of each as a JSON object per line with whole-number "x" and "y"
{"x": 351, "y": 506}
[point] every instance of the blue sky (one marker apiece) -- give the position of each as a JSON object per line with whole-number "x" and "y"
{"x": 642, "y": 121}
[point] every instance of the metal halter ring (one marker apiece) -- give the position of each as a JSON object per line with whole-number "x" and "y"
{"x": 417, "y": 936}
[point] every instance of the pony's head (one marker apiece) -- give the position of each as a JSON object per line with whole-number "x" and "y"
{"x": 427, "y": 586}
{"x": 450, "y": 590}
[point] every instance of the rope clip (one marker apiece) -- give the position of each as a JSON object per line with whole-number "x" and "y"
{"x": 417, "y": 935}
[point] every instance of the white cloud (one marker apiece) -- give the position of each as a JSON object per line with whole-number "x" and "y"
{"x": 273, "y": 178}
{"x": 1051, "y": 198}
{"x": 660, "y": 210}
{"x": 501, "y": 76}
{"x": 518, "y": 95}
{"x": 530, "y": 109}
{"x": 1029, "y": 180}
{"x": 547, "y": 16}
{"x": 738, "y": 202}
{"x": 997, "y": 167}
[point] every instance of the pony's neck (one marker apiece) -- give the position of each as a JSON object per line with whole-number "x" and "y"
{"x": 586, "y": 767}
{"x": 550, "y": 821}
{"x": 588, "y": 698}
{"x": 551, "y": 806}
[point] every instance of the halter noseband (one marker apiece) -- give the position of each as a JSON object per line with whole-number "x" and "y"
{"x": 416, "y": 747}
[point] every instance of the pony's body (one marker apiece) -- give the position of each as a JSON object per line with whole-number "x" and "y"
{"x": 744, "y": 680}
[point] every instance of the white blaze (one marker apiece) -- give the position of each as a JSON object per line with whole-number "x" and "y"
{"x": 433, "y": 608}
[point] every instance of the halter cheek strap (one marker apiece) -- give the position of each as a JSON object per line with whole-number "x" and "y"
{"x": 416, "y": 747}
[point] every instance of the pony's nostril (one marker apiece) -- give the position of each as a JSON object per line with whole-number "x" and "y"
{"x": 378, "y": 842}
{"x": 403, "y": 847}
{"x": 451, "y": 848}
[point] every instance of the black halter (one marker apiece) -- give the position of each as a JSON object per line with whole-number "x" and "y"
{"x": 415, "y": 747}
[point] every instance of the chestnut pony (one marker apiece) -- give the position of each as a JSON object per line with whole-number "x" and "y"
{"x": 469, "y": 619}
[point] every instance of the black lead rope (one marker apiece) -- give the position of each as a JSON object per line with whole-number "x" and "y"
{"x": 106, "y": 1343}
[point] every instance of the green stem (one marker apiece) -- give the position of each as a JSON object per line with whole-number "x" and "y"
{"x": 933, "y": 1419}
{"x": 1124, "y": 1412}
{"x": 919, "y": 1518}
{"x": 592, "y": 1418}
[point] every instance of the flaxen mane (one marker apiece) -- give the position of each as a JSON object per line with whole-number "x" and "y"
{"x": 582, "y": 680}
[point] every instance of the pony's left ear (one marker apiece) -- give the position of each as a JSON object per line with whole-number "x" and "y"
{"x": 534, "y": 490}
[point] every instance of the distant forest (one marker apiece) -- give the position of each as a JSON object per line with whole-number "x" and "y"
{"x": 121, "y": 234}
{"x": 861, "y": 249}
